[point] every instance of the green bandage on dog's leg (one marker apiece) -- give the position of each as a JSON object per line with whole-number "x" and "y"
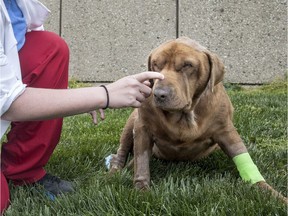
{"x": 247, "y": 169}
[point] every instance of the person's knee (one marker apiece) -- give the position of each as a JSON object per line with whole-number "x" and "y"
{"x": 59, "y": 60}
{"x": 61, "y": 46}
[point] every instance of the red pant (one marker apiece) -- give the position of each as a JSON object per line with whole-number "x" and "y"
{"x": 44, "y": 60}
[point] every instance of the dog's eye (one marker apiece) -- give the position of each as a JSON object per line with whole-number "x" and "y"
{"x": 187, "y": 65}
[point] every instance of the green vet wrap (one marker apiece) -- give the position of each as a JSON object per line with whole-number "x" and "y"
{"x": 247, "y": 169}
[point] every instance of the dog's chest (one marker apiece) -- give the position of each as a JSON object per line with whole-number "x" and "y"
{"x": 175, "y": 149}
{"x": 178, "y": 130}
{"x": 179, "y": 142}
{"x": 176, "y": 136}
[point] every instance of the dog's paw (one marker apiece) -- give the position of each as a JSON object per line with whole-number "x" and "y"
{"x": 114, "y": 163}
{"x": 142, "y": 185}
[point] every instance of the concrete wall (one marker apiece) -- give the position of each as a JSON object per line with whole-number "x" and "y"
{"x": 110, "y": 39}
{"x": 54, "y": 22}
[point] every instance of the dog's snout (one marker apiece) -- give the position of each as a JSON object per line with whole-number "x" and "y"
{"x": 161, "y": 93}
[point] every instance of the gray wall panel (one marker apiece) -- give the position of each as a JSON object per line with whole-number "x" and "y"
{"x": 110, "y": 39}
{"x": 53, "y": 22}
{"x": 249, "y": 35}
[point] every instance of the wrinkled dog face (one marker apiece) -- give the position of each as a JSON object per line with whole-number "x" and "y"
{"x": 186, "y": 68}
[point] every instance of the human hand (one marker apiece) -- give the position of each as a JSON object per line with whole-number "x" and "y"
{"x": 94, "y": 116}
{"x": 132, "y": 90}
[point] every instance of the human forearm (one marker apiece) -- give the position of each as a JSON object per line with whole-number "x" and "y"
{"x": 40, "y": 104}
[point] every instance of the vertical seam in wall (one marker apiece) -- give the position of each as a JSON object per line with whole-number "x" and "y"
{"x": 60, "y": 19}
{"x": 177, "y": 18}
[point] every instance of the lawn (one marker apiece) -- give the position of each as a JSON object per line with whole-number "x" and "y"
{"x": 209, "y": 187}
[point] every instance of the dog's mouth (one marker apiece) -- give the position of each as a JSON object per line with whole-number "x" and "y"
{"x": 167, "y": 100}
{"x": 171, "y": 109}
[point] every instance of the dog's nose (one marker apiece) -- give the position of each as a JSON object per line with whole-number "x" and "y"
{"x": 162, "y": 93}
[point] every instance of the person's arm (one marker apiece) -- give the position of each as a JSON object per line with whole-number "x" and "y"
{"x": 40, "y": 104}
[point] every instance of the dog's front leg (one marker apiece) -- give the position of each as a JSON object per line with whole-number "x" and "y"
{"x": 231, "y": 143}
{"x": 142, "y": 155}
{"x": 118, "y": 160}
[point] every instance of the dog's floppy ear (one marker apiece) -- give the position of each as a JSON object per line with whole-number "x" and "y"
{"x": 150, "y": 69}
{"x": 149, "y": 63}
{"x": 216, "y": 69}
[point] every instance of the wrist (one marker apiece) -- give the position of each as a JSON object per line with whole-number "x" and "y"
{"x": 107, "y": 96}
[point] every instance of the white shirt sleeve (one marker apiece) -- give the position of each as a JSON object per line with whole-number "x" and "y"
{"x": 11, "y": 85}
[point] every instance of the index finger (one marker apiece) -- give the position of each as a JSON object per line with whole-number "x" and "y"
{"x": 141, "y": 77}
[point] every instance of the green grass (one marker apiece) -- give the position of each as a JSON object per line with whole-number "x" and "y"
{"x": 209, "y": 187}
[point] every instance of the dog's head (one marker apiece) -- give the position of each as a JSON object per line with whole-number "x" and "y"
{"x": 189, "y": 70}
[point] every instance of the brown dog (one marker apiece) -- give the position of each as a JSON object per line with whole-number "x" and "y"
{"x": 187, "y": 116}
